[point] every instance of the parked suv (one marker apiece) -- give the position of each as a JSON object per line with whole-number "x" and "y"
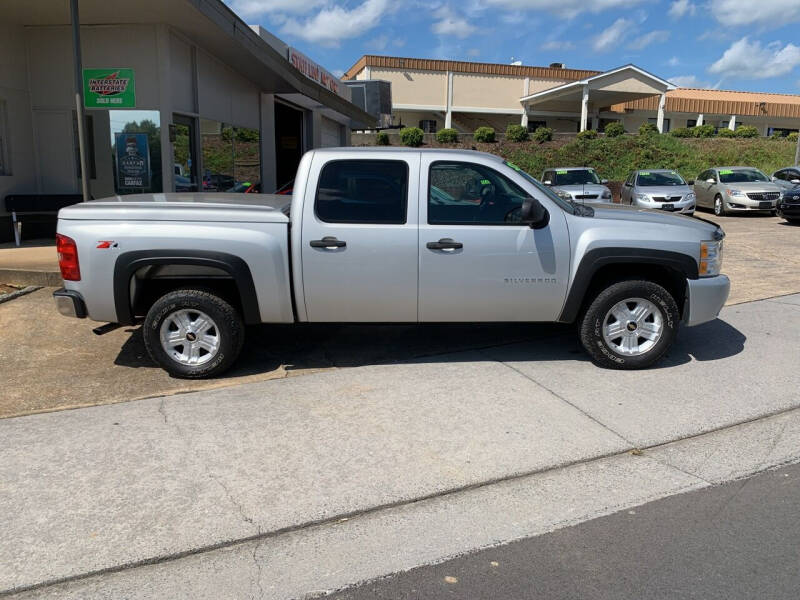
{"x": 736, "y": 189}
{"x": 787, "y": 179}
{"x": 662, "y": 189}
{"x": 577, "y": 183}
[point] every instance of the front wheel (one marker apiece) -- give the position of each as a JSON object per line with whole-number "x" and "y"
{"x": 193, "y": 334}
{"x": 719, "y": 206}
{"x": 630, "y": 325}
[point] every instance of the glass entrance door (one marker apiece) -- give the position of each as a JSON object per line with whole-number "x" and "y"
{"x": 184, "y": 148}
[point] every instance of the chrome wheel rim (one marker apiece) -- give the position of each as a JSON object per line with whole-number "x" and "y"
{"x": 633, "y": 326}
{"x": 190, "y": 337}
{"x": 718, "y": 206}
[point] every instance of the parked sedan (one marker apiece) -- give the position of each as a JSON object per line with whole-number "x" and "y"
{"x": 787, "y": 179}
{"x": 736, "y": 189}
{"x": 577, "y": 183}
{"x": 789, "y": 205}
{"x": 661, "y": 189}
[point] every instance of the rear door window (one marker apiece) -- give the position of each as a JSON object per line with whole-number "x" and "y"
{"x": 363, "y": 191}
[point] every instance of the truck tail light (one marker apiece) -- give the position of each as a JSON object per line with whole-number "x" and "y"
{"x": 68, "y": 258}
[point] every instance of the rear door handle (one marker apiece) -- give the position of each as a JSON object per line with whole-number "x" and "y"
{"x": 444, "y": 244}
{"x": 328, "y": 242}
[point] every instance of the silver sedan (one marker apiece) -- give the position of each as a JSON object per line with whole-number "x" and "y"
{"x": 736, "y": 189}
{"x": 661, "y": 189}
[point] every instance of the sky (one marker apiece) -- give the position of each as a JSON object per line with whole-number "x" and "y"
{"x": 723, "y": 44}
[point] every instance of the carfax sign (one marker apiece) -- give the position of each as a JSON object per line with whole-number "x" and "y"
{"x": 133, "y": 161}
{"x": 109, "y": 88}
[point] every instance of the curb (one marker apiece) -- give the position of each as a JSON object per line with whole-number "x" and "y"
{"x": 26, "y": 278}
{"x": 18, "y": 293}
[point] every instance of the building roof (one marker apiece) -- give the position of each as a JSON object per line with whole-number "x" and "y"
{"x": 426, "y": 64}
{"x": 720, "y": 102}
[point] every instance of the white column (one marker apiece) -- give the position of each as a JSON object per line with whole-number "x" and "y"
{"x": 699, "y": 119}
{"x": 526, "y": 86}
{"x": 448, "y": 118}
{"x": 662, "y": 102}
{"x": 585, "y": 107}
{"x": 732, "y": 123}
{"x": 524, "y": 120}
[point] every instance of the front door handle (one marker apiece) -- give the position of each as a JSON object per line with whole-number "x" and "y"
{"x": 328, "y": 241}
{"x": 444, "y": 244}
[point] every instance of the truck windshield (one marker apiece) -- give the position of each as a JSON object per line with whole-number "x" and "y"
{"x": 576, "y": 177}
{"x": 658, "y": 178}
{"x": 741, "y": 175}
{"x": 563, "y": 204}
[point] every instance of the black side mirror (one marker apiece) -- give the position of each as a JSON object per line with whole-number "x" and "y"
{"x": 534, "y": 214}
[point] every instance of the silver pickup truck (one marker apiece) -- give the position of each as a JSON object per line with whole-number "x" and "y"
{"x": 390, "y": 236}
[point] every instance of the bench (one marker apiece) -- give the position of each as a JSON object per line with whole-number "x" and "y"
{"x": 37, "y": 205}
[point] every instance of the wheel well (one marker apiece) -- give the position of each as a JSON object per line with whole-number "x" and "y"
{"x": 670, "y": 279}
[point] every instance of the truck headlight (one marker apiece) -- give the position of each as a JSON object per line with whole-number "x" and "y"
{"x": 734, "y": 192}
{"x": 710, "y": 258}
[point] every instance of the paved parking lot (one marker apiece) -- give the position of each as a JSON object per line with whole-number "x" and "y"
{"x": 52, "y": 362}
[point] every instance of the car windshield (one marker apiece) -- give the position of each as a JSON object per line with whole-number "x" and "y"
{"x": 576, "y": 177}
{"x": 658, "y": 178}
{"x": 565, "y": 205}
{"x": 741, "y": 175}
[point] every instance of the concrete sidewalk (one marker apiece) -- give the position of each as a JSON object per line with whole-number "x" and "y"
{"x": 117, "y": 486}
{"x": 29, "y": 265}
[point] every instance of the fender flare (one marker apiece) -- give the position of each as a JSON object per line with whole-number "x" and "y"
{"x": 129, "y": 262}
{"x": 598, "y": 258}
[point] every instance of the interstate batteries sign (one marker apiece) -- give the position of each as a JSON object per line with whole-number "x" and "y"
{"x": 109, "y": 88}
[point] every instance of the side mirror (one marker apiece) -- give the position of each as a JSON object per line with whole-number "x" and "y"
{"x": 604, "y": 181}
{"x": 711, "y": 181}
{"x": 690, "y": 182}
{"x": 534, "y": 214}
{"x": 547, "y": 182}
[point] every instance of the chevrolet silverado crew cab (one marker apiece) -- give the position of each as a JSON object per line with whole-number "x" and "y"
{"x": 387, "y": 236}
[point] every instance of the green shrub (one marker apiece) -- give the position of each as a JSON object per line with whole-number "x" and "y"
{"x": 588, "y": 134}
{"x": 543, "y": 134}
{"x": 382, "y": 138}
{"x": 704, "y": 131}
{"x": 647, "y": 129}
{"x": 747, "y": 131}
{"x": 517, "y": 133}
{"x": 726, "y": 133}
{"x": 777, "y": 135}
{"x": 682, "y": 132}
{"x": 447, "y": 136}
{"x": 792, "y": 137}
{"x": 614, "y": 129}
{"x": 484, "y": 134}
{"x": 411, "y": 136}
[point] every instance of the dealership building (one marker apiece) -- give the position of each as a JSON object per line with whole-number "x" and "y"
{"x": 434, "y": 94}
{"x": 179, "y": 95}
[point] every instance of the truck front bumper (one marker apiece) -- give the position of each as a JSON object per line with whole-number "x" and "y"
{"x": 705, "y": 297}
{"x": 70, "y": 303}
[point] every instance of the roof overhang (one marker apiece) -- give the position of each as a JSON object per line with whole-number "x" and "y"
{"x": 210, "y": 24}
{"x": 616, "y": 86}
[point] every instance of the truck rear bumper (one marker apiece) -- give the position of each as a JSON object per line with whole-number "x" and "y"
{"x": 70, "y": 303}
{"x": 705, "y": 297}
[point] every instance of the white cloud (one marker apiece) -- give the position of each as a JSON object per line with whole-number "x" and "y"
{"x": 610, "y": 37}
{"x": 751, "y": 60}
{"x": 558, "y": 45}
{"x": 653, "y": 37}
{"x": 679, "y": 8}
{"x": 378, "y": 43}
{"x": 564, "y": 8}
{"x": 674, "y": 61}
{"x": 333, "y": 24}
{"x": 690, "y": 81}
{"x": 254, "y": 8}
{"x": 450, "y": 24}
{"x": 768, "y": 13}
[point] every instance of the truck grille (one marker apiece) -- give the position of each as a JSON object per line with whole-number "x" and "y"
{"x": 585, "y": 196}
{"x": 667, "y": 198}
{"x": 764, "y": 195}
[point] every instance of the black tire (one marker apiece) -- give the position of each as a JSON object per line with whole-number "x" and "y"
{"x": 591, "y": 331}
{"x": 228, "y": 326}
{"x": 793, "y": 220}
{"x": 721, "y": 212}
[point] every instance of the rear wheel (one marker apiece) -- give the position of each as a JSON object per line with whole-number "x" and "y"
{"x": 719, "y": 206}
{"x": 193, "y": 334}
{"x": 630, "y": 325}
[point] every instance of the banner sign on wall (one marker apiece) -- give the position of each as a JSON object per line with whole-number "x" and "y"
{"x": 133, "y": 161}
{"x": 313, "y": 71}
{"x": 109, "y": 88}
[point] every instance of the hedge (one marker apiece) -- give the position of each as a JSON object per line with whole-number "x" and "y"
{"x": 516, "y": 133}
{"x": 543, "y": 134}
{"x": 484, "y": 134}
{"x": 411, "y": 136}
{"x": 614, "y": 129}
{"x": 588, "y": 134}
{"x": 447, "y": 136}
{"x": 382, "y": 138}
{"x": 647, "y": 129}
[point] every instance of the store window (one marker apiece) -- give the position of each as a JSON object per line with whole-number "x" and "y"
{"x": 691, "y": 123}
{"x": 5, "y": 167}
{"x": 654, "y": 121}
{"x": 136, "y": 151}
{"x": 428, "y": 125}
{"x": 534, "y": 125}
{"x": 231, "y": 157}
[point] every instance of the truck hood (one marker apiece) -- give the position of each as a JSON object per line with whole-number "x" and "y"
{"x": 663, "y": 190}
{"x": 619, "y": 212}
{"x": 219, "y": 207}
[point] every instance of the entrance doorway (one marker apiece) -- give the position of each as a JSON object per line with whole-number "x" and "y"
{"x": 184, "y": 156}
{"x": 288, "y": 143}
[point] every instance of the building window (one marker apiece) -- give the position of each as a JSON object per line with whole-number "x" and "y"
{"x": 428, "y": 125}
{"x": 231, "y": 157}
{"x": 654, "y": 121}
{"x": 691, "y": 122}
{"x": 89, "y": 131}
{"x": 780, "y": 130}
{"x": 136, "y": 148}
{"x": 534, "y": 125}
{"x": 5, "y": 167}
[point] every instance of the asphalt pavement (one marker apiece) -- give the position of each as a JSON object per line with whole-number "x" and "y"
{"x": 736, "y": 541}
